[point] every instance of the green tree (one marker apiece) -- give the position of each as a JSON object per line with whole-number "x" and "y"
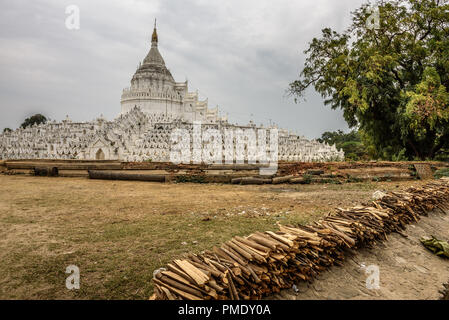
{"x": 351, "y": 143}
{"x": 7, "y": 130}
{"x": 392, "y": 81}
{"x": 36, "y": 119}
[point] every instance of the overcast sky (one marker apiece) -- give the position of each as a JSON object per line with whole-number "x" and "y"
{"x": 240, "y": 54}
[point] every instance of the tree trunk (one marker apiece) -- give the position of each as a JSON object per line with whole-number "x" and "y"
{"x": 417, "y": 154}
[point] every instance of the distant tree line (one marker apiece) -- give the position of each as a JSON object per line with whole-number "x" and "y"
{"x": 28, "y": 122}
{"x": 36, "y": 119}
{"x": 351, "y": 143}
{"x": 358, "y": 146}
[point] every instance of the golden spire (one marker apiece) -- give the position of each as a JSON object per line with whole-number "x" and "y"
{"x": 154, "y": 36}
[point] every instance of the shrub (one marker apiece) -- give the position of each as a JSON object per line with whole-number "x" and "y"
{"x": 441, "y": 173}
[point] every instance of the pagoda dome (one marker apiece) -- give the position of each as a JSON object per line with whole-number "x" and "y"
{"x": 153, "y": 66}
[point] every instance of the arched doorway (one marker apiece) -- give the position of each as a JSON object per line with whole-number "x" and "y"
{"x": 99, "y": 155}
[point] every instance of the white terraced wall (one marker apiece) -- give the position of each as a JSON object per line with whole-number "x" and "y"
{"x": 135, "y": 136}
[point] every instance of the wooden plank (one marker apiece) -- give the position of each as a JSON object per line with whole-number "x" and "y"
{"x": 199, "y": 277}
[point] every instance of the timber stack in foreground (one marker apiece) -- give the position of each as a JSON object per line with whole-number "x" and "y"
{"x": 265, "y": 262}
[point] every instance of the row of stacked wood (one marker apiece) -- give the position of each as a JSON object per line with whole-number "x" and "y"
{"x": 263, "y": 263}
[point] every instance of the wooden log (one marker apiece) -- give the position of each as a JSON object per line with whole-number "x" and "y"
{"x": 46, "y": 171}
{"x": 284, "y": 179}
{"x": 254, "y": 245}
{"x": 183, "y": 294}
{"x": 233, "y": 255}
{"x": 281, "y": 239}
{"x": 167, "y": 293}
{"x": 253, "y": 252}
{"x": 206, "y": 268}
{"x": 213, "y": 284}
{"x": 236, "y": 180}
{"x": 241, "y": 251}
{"x": 296, "y": 181}
{"x": 111, "y": 175}
{"x": 178, "y": 285}
{"x": 224, "y": 261}
{"x": 217, "y": 265}
{"x": 181, "y": 273}
{"x": 258, "y": 268}
{"x": 194, "y": 257}
{"x": 199, "y": 277}
{"x": 277, "y": 243}
{"x": 300, "y": 232}
{"x": 263, "y": 241}
{"x": 223, "y": 254}
{"x": 233, "y": 290}
{"x": 180, "y": 279}
{"x": 252, "y": 180}
{"x": 254, "y": 275}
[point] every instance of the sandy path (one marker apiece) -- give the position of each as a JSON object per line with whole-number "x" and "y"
{"x": 406, "y": 269}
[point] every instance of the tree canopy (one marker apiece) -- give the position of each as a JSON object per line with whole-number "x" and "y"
{"x": 36, "y": 119}
{"x": 351, "y": 143}
{"x": 391, "y": 81}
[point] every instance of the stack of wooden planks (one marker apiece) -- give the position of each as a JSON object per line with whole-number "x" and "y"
{"x": 265, "y": 262}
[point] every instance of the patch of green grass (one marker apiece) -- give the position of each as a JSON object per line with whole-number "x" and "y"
{"x": 190, "y": 179}
{"x": 117, "y": 262}
{"x": 307, "y": 179}
{"x": 351, "y": 179}
{"x": 441, "y": 173}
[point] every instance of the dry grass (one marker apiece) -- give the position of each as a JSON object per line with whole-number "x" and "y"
{"x": 118, "y": 232}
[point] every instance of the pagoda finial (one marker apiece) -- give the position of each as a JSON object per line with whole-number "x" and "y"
{"x": 154, "y": 36}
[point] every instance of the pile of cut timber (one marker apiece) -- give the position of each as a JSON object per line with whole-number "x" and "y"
{"x": 266, "y": 262}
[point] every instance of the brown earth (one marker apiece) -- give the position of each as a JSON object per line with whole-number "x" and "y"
{"x": 118, "y": 232}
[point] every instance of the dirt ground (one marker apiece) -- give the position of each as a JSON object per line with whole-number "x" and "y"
{"x": 407, "y": 270}
{"x": 118, "y": 232}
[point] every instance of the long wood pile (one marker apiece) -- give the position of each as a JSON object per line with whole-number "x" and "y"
{"x": 265, "y": 262}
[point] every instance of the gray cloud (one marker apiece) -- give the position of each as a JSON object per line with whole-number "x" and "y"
{"x": 240, "y": 54}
